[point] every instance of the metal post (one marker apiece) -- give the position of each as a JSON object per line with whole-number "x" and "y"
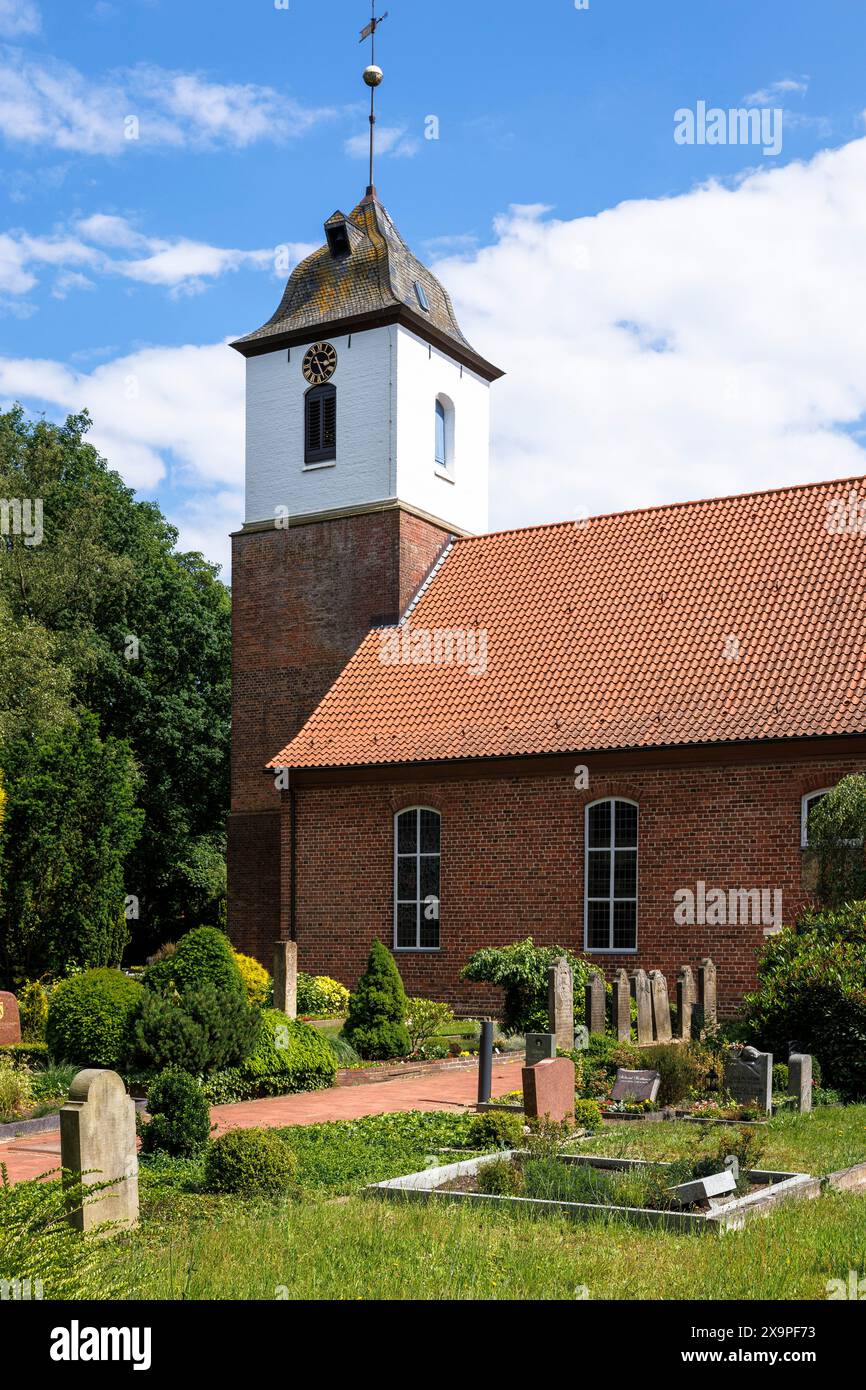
{"x": 485, "y": 1062}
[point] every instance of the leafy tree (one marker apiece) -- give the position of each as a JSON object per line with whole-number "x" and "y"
{"x": 108, "y": 617}
{"x": 837, "y": 834}
{"x": 376, "y": 1025}
{"x": 521, "y": 970}
{"x": 70, "y": 822}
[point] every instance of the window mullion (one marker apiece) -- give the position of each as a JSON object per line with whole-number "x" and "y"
{"x": 612, "y": 871}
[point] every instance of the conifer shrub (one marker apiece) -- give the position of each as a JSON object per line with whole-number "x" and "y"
{"x": 250, "y": 1163}
{"x": 89, "y": 1018}
{"x": 199, "y": 1031}
{"x": 179, "y": 1116}
{"x": 376, "y": 1025}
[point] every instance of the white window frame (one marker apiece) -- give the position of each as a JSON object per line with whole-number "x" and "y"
{"x": 610, "y": 950}
{"x": 417, "y": 949}
{"x": 804, "y": 813}
{"x": 447, "y": 470}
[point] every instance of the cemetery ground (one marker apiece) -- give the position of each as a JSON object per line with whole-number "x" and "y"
{"x": 328, "y": 1241}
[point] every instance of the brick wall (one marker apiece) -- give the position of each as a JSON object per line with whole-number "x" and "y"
{"x": 512, "y": 866}
{"x": 302, "y": 600}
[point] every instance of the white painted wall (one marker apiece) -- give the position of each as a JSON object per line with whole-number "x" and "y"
{"x": 387, "y": 383}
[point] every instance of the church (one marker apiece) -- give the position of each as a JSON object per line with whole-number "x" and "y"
{"x": 606, "y": 734}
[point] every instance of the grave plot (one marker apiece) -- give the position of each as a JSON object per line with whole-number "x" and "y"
{"x": 583, "y": 1187}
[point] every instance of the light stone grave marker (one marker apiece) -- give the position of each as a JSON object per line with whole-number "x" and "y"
{"x": 560, "y": 1004}
{"x": 686, "y": 1000}
{"x": 286, "y": 977}
{"x": 621, "y": 1005}
{"x": 661, "y": 1006}
{"x": 800, "y": 1080}
{"x": 643, "y": 998}
{"x": 595, "y": 1003}
{"x": 707, "y": 1001}
{"x": 97, "y": 1145}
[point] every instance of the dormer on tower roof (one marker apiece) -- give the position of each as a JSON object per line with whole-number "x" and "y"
{"x": 364, "y": 276}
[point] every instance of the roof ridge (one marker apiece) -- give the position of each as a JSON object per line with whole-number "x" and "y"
{"x": 583, "y": 521}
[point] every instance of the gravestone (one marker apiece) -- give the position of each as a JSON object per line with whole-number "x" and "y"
{"x": 97, "y": 1144}
{"x": 635, "y": 1085}
{"x": 548, "y": 1089}
{"x": 643, "y": 998}
{"x": 707, "y": 1003}
{"x": 703, "y": 1189}
{"x": 661, "y": 1006}
{"x": 621, "y": 1005}
{"x": 286, "y": 977}
{"x": 749, "y": 1076}
{"x": 800, "y": 1080}
{"x": 560, "y": 1004}
{"x": 10, "y": 1021}
{"x": 595, "y": 1003}
{"x": 540, "y": 1047}
{"x": 686, "y": 999}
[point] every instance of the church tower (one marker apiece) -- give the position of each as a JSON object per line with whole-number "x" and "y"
{"x": 367, "y": 448}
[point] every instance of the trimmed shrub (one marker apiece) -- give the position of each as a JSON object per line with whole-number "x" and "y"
{"x": 89, "y": 1018}
{"x": 521, "y": 971}
{"x": 179, "y": 1116}
{"x": 289, "y": 1056}
{"x": 33, "y": 1009}
{"x": 250, "y": 1163}
{"x": 34, "y": 1054}
{"x": 257, "y": 981}
{"x": 501, "y": 1178}
{"x": 587, "y": 1114}
{"x": 495, "y": 1129}
{"x": 321, "y": 997}
{"x": 199, "y": 1032}
{"x": 376, "y": 1025}
{"x": 202, "y": 957}
{"x": 812, "y": 991}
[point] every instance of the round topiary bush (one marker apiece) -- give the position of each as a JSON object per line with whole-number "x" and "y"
{"x": 202, "y": 957}
{"x": 250, "y": 1163}
{"x": 257, "y": 981}
{"x": 496, "y": 1129}
{"x": 179, "y": 1116}
{"x": 290, "y": 1056}
{"x": 376, "y": 1025}
{"x": 89, "y": 1018}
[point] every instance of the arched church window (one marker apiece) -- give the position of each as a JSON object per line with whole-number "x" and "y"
{"x": 320, "y": 425}
{"x": 416, "y": 879}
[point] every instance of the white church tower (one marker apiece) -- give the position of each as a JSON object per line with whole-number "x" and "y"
{"x": 367, "y": 451}
{"x": 362, "y": 388}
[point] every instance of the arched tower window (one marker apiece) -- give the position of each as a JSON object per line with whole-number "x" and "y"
{"x": 444, "y": 451}
{"x": 320, "y": 424}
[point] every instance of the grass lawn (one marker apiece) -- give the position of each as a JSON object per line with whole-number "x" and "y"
{"x": 334, "y": 1244}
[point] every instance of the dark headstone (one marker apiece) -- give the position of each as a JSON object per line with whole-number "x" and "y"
{"x": 540, "y": 1047}
{"x": 749, "y": 1077}
{"x": 635, "y": 1085}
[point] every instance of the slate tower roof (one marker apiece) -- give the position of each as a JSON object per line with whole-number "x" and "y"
{"x": 364, "y": 276}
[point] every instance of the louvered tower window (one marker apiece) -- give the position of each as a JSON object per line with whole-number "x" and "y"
{"x": 320, "y": 431}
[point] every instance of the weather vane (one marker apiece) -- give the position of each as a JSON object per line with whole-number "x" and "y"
{"x": 373, "y": 77}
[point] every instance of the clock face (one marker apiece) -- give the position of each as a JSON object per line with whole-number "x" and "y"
{"x": 320, "y": 363}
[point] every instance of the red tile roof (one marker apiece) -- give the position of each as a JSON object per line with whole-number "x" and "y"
{"x": 739, "y": 618}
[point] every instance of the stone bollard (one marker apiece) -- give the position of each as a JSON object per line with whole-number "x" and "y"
{"x": 286, "y": 977}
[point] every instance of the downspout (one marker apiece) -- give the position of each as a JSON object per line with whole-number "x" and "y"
{"x": 293, "y": 847}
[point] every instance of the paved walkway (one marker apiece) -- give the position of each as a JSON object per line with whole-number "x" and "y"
{"x": 448, "y": 1090}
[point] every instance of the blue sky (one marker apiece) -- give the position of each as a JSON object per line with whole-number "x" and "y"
{"x": 701, "y": 301}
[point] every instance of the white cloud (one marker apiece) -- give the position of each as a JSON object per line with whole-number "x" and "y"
{"x": 390, "y": 140}
{"x": 18, "y": 18}
{"x": 183, "y": 266}
{"x": 44, "y": 101}
{"x": 162, "y": 417}
{"x": 788, "y": 86}
{"x": 709, "y": 343}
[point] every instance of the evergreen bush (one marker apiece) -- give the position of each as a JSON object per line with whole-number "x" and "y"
{"x": 179, "y": 1116}
{"x": 496, "y": 1129}
{"x": 198, "y": 1032}
{"x": 376, "y": 1025}
{"x": 249, "y": 1163}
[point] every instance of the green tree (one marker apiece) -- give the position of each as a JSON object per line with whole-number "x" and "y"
{"x": 70, "y": 822}
{"x": 123, "y": 625}
{"x": 376, "y": 1025}
{"x": 837, "y": 834}
{"x": 521, "y": 970}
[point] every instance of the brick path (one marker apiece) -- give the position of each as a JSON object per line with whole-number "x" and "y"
{"x": 450, "y": 1090}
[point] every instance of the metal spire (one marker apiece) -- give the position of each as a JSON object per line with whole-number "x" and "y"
{"x": 373, "y": 77}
